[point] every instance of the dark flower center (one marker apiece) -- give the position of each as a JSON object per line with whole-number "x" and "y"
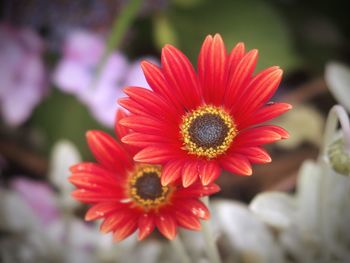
{"x": 208, "y": 130}
{"x": 148, "y": 186}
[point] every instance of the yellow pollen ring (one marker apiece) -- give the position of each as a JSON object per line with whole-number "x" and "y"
{"x": 147, "y": 203}
{"x": 204, "y": 151}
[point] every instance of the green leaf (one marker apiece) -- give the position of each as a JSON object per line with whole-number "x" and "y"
{"x": 61, "y": 116}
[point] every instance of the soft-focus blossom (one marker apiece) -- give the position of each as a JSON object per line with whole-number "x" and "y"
{"x": 129, "y": 196}
{"x": 22, "y": 74}
{"x": 63, "y": 155}
{"x": 312, "y": 224}
{"x": 76, "y": 74}
{"x": 207, "y": 121}
{"x": 39, "y": 197}
{"x": 337, "y": 77}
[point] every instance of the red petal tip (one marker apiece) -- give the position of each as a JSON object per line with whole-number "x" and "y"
{"x": 144, "y": 64}
{"x": 74, "y": 167}
{"x": 254, "y": 53}
{"x": 165, "y": 180}
{"x": 215, "y": 188}
{"x": 91, "y": 134}
{"x": 123, "y": 122}
{"x": 249, "y": 172}
{"x": 128, "y": 90}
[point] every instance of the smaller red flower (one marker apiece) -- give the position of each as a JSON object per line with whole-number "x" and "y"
{"x": 129, "y": 196}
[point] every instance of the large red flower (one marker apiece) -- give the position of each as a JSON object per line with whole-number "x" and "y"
{"x": 129, "y": 196}
{"x": 195, "y": 124}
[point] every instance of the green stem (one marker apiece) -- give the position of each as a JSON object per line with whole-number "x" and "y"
{"x": 211, "y": 248}
{"x": 120, "y": 25}
{"x": 180, "y": 250}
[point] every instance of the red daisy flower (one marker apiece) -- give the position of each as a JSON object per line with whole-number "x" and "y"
{"x": 129, "y": 196}
{"x": 204, "y": 121}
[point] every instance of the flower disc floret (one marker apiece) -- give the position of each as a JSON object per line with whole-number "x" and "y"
{"x": 146, "y": 188}
{"x": 207, "y": 131}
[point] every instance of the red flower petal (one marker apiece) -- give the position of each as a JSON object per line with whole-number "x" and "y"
{"x": 93, "y": 182}
{"x": 171, "y": 172}
{"x": 86, "y": 167}
{"x": 154, "y": 155}
{"x": 157, "y": 82}
{"x": 125, "y": 230}
{"x": 102, "y": 210}
{"x": 282, "y": 132}
{"x": 141, "y": 140}
{"x": 260, "y": 90}
{"x": 93, "y": 169}
{"x": 120, "y": 130}
{"x": 187, "y": 220}
{"x": 107, "y": 151}
{"x": 239, "y": 78}
{"x": 197, "y": 190}
{"x": 257, "y": 136}
{"x": 189, "y": 173}
{"x": 112, "y": 221}
{"x": 265, "y": 113}
{"x": 236, "y": 164}
{"x": 92, "y": 197}
{"x": 209, "y": 171}
{"x": 132, "y": 106}
{"x": 235, "y": 56}
{"x": 181, "y": 76}
{"x": 197, "y": 208}
{"x": 166, "y": 225}
{"x": 151, "y": 103}
{"x": 211, "y": 69}
{"x": 145, "y": 124}
{"x": 255, "y": 154}
{"x": 146, "y": 225}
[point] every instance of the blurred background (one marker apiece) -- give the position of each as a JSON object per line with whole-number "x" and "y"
{"x": 63, "y": 65}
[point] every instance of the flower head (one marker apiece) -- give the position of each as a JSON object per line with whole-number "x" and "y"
{"x": 204, "y": 121}
{"x": 129, "y": 196}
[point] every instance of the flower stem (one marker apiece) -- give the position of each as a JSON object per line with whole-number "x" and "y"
{"x": 180, "y": 250}
{"x": 120, "y": 25}
{"x": 337, "y": 113}
{"x": 211, "y": 248}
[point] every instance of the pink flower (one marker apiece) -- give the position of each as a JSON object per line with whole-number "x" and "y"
{"x": 77, "y": 70}
{"x": 22, "y": 73}
{"x": 39, "y": 197}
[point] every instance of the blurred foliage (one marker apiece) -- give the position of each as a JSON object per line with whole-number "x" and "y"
{"x": 254, "y": 22}
{"x": 61, "y": 116}
{"x": 304, "y": 124}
